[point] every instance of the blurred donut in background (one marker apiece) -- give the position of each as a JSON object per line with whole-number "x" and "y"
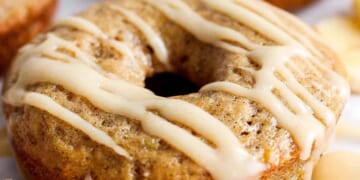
{"x": 20, "y": 21}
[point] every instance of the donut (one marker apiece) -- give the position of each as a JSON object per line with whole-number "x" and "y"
{"x": 291, "y": 5}
{"x": 270, "y": 94}
{"x": 20, "y": 21}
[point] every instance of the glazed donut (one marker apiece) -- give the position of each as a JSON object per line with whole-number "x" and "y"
{"x": 20, "y": 22}
{"x": 291, "y": 5}
{"x": 271, "y": 93}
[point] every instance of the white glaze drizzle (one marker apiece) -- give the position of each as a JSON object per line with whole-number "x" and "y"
{"x": 81, "y": 24}
{"x": 233, "y": 10}
{"x": 118, "y": 97}
{"x": 305, "y": 128}
{"x": 245, "y": 16}
{"x": 46, "y": 103}
{"x": 152, "y": 37}
{"x": 87, "y": 26}
{"x": 265, "y": 27}
{"x": 215, "y": 34}
{"x": 179, "y": 12}
{"x": 228, "y": 160}
{"x": 52, "y": 43}
{"x": 307, "y": 43}
{"x": 273, "y": 17}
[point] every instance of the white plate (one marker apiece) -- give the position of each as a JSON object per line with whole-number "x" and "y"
{"x": 313, "y": 14}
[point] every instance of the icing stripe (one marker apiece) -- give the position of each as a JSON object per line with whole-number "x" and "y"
{"x": 48, "y": 48}
{"x": 81, "y": 24}
{"x": 46, "y": 103}
{"x": 273, "y": 17}
{"x": 245, "y": 16}
{"x": 303, "y": 126}
{"x": 152, "y": 37}
{"x": 324, "y": 113}
{"x": 89, "y": 27}
{"x": 215, "y": 34}
{"x": 121, "y": 98}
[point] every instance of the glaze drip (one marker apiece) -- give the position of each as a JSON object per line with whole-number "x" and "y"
{"x": 152, "y": 37}
{"x": 299, "y": 122}
{"x": 249, "y": 18}
{"x": 46, "y": 103}
{"x": 215, "y": 34}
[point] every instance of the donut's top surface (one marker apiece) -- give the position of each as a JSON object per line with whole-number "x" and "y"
{"x": 270, "y": 98}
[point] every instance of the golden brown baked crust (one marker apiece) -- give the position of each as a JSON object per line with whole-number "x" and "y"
{"x": 46, "y": 147}
{"x": 291, "y": 4}
{"x": 20, "y": 22}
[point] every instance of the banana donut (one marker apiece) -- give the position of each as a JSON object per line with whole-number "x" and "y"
{"x": 271, "y": 94}
{"x": 291, "y": 5}
{"x": 20, "y": 22}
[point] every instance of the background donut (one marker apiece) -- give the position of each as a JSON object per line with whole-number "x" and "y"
{"x": 20, "y": 21}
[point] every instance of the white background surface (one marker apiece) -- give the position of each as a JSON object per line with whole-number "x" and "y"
{"x": 313, "y": 14}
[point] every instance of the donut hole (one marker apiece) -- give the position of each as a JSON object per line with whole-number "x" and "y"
{"x": 170, "y": 84}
